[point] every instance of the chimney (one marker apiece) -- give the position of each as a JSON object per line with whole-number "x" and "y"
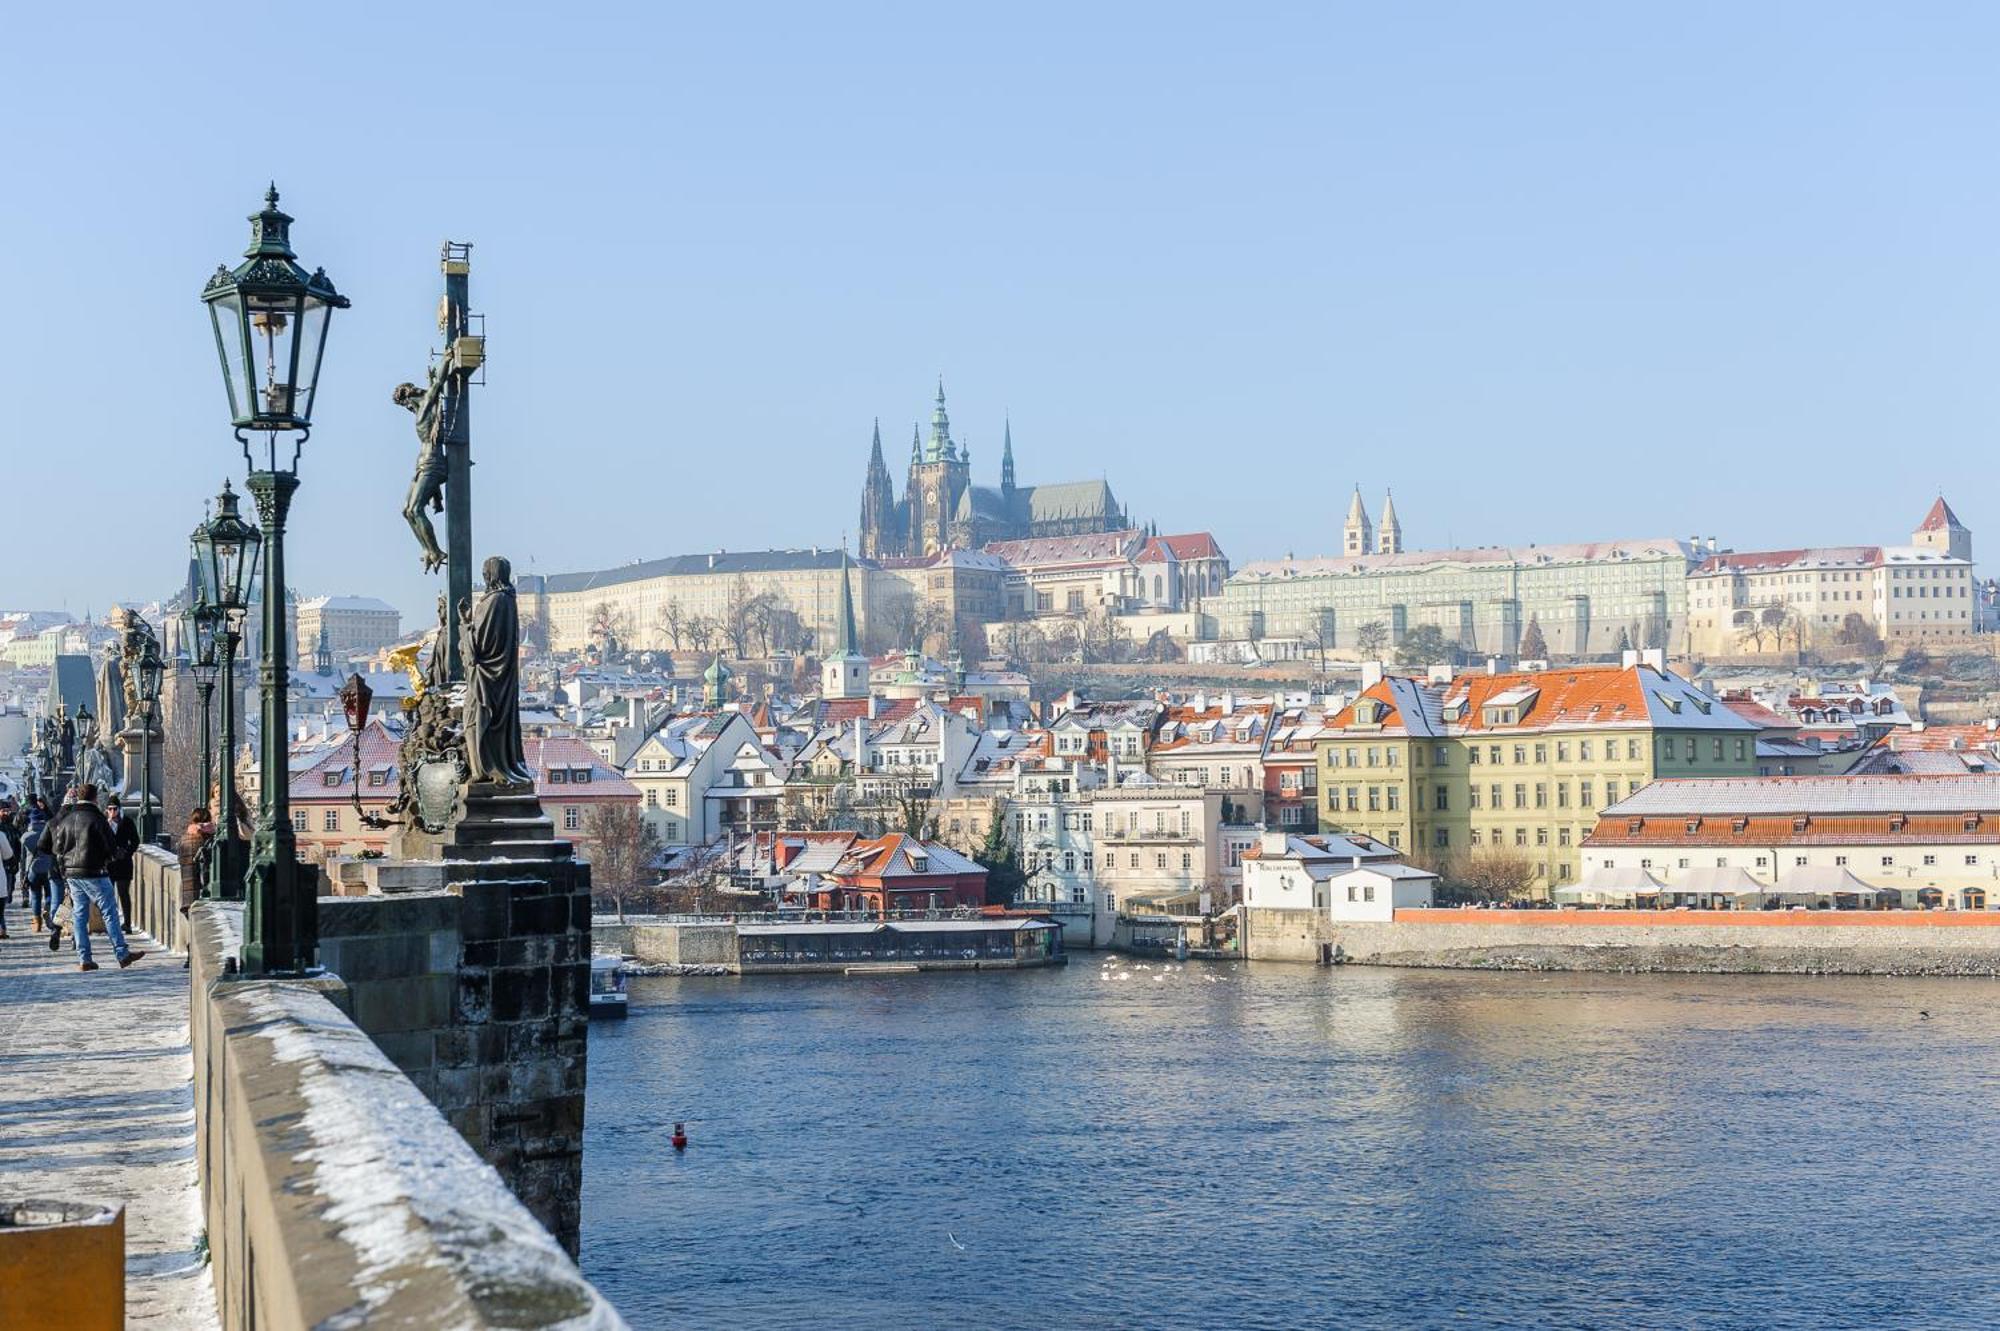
{"x": 1228, "y": 702}
{"x": 1272, "y": 843}
{"x": 1655, "y": 657}
{"x": 1111, "y": 770}
{"x": 1492, "y": 665}
{"x": 1371, "y": 674}
{"x": 860, "y": 744}
{"x": 1442, "y": 673}
{"x": 782, "y": 852}
{"x": 1357, "y": 861}
{"x": 1711, "y": 545}
{"x": 1201, "y": 701}
{"x": 1628, "y": 658}
{"x": 871, "y": 706}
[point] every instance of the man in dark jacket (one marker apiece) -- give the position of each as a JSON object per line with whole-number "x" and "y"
{"x": 80, "y": 840}
{"x": 125, "y": 845}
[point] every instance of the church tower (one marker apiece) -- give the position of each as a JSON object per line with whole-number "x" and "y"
{"x": 1007, "y": 464}
{"x": 880, "y": 534}
{"x": 1389, "y": 536}
{"x": 938, "y": 475}
{"x": 1943, "y": 532}
{"x": 1359, "y": 532}
{"x": 843, "y": 672}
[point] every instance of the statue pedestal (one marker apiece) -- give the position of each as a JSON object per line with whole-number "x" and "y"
{"x": 132, "y": 742}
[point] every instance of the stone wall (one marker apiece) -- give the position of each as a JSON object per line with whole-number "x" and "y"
{"x": 1777, "y": 942}
{"x": 684, "y": 944}
{"x": 335, "y": 1193}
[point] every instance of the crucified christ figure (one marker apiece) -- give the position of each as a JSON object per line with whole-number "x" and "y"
{"x": 427, "y": 489}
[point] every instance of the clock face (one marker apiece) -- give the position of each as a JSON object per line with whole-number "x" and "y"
{"x": 931, "y": 494}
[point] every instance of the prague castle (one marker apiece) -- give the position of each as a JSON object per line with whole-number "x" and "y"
{"x": 941, "y": 509}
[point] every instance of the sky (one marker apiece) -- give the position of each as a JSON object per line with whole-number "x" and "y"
{"x": 1551, "y": 271}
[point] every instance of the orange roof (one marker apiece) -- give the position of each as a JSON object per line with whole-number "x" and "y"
{"x": 1940, "y": 518}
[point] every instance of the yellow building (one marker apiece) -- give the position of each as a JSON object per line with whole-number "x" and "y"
{"x": 1520, "y": 760}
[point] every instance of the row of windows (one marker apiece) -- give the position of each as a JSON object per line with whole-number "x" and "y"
{"x": 1800, "y": 861}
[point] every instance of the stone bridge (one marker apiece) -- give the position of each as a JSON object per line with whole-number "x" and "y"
{"x": 397, "y": 1142}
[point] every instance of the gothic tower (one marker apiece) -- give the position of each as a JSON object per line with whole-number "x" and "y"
{"x": 1359, "y": 532}
{"x": 1389, "y": 536}
{"x": 880, "y": 532}
{"x": 1943, "y": 532}
{"x": 1007, "y": 464}
{"x": 843, "y": 672}
{"x": 938, "y": 475}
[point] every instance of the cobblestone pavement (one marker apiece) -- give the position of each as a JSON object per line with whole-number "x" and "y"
{"x": 97, "y": 1102}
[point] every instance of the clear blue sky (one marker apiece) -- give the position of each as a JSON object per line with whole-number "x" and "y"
{"x": 1551, "y": 271}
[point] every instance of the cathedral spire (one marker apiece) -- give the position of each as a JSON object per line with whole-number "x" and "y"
{"x": 1389, "y": 535}
{"x": 1358, "y": 532}
{"x": 1007, "y": 457}
{"x": 845, "y": 644}
{"x": 940, "y": 447}
{"x": 875, "y": 448}
{"x": 916, "y": 442}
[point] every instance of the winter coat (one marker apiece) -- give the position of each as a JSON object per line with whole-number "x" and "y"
{"x": 80, "y": 840}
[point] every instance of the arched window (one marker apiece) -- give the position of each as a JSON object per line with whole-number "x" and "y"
{"x": 1156, "y": 587}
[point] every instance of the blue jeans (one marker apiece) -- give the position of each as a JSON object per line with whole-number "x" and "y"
{"x": 43, "y": 898}
{"x": 81, "y": 892}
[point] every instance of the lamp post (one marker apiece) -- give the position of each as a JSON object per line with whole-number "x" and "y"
{"x": 355, "y": 696}
{"x": 151, "y": 667}
{"x": 271, "y": 319}
{"x": 225, "y": 555}
{"x": 201, "y": 619}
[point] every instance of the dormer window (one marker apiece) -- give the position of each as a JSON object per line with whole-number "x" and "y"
{"x": 1799, "y": 824}
{"x": 557, "y": 776}
{"x": 1740, "y": 826}
{"x": 1694, "y": 825}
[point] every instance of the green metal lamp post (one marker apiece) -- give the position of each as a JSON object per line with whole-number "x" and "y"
{"x": 225, "y": 558}
{"x": 271, "y": 319}
{"x": 151, "y": 668}
{"x": 201, "y": 617}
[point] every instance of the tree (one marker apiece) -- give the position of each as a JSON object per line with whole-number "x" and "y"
{"x": 740, "y": 614}
{"x": 700, "y": 631}
{"x": 609, "y": 627}
{"x": 1656, "y": 629}
{"x": 1492, "y": 873}
{"x": 1624, "y": 643}
{"x": 1425, "y": 646}
{"x": 1371, "y": 638}
{"x": 673, "y": 623}
{"x": 1856, "y": 632}
{"x": 1161, "y": 649}
{"x": 1534, "y": 647}
{"x": 1001, "y": 859}
{"x": 910, "y": 805}
{"x": 1104, "y": 638}
{"x": 623, "y": 847}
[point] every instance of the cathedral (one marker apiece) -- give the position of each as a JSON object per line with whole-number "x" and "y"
{"x": 941, "y": 509}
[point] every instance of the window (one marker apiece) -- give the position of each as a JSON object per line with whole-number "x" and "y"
{"x": 1667, "y": 746}
{"x": 652, "y": 799}
{"x": 1631, "y": 749}
{"x": 1541, "y": 794}
{"x": 1396, "y": 799}
{"x": 1088, "y": 857}
{"x": 1475, "y": 836}
{"x": 1541, "y": 836}
{"x": 1583, "y": 750}
{"x": 1442, "y": 838}
{"x": 1395, "y": 839}
{"x": 1443, "y": 757}
{"x": 1562, "y": 836}
{"x": 1520, "y": 794}
{"x": 379, "y": 777}
{"x": 1930, "y": 859}
{"x": 298, "y": 820}
{"x": 1493, "y": 796}
{"x": 1971, "y": 859}
{"x": 1374, "y": 799}
{"x": 1799, "y": 861}
{"x": 1840, "y": 860}
{"x": 333, "y": 778}
{"x": 1443, "y": 803}
{"x": 1160, "y": 859}
{"x": 1184, "y": 822}
{"x": 1352, "y": 889}
{"x": 1739, "y": 750}
{"x": 1187, "y": 862}
{"x": 572, "y": 818}
{"x": 1472, "y": 797}
{"x": 1133, "y": 860}
{"x": 1583, "y": 793}
{"x": 1354, "y": 799}
{"x": 558, "y": 776}
{"x": 1493, "y": 753}
{"x": 1562, "y": 794}
{"x": 1888, "y": 861}
{"x": 1368, "y": 892}
{"x": 1471, "y": 754}
{"x": 1541, "y": 753}
{"x": 1562, "y": 751}
{"x": 1520, "y": 836}
{"x": 1520, "y": 753}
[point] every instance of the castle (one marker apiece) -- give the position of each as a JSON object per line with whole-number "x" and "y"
{"x": 941, "y": 509}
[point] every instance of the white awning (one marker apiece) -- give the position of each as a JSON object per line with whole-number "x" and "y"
{"x": 1825, "y": 880}
{"x": 1719, "y": 880}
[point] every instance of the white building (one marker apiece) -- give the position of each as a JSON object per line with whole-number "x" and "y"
{"x": 1289, "y": 872}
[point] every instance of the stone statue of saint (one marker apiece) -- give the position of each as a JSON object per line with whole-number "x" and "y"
{"x": 427, "y": 489}
{"x": 491, "y": 635}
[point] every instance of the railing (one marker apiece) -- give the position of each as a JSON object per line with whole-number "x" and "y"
{"x": 970, "y": 913}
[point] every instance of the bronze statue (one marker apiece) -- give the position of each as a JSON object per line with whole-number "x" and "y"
{"x": 427, "y": 489}
{"x": 491, "y": 633}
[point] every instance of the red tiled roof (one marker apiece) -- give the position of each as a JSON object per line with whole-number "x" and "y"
{"x": 1940, "y": 518}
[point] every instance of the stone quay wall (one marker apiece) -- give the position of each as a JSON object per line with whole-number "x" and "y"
{"x": 1731, "y": 942}
{"x": 335, "y": 1193}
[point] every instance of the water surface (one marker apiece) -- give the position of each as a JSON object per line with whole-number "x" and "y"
{"x": 1283, "y": 1146}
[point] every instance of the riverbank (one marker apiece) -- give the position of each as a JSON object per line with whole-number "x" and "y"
{"x": 1888, "y": 943}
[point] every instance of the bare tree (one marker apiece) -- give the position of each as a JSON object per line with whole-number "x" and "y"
{"x": 623, "y": 847}
{"x": 1858, "y": 633}
{"x": 673, "y": 623}
{"x": 1103, "y": 637}
{"x": 701, "y": 632}
{"x": 1491, "y": 873}
{"x": 1371, "y": 638}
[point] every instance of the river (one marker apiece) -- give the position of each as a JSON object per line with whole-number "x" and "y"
{"x": 1283, "y": 1146}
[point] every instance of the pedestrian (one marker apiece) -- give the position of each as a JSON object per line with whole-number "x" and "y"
{"x": 81, "y": 842}
{"x": 7, "y": 858}
{"x": 125, "y": 845}
{"x": 36, "y": 867}
{"x": 193, "y": 848}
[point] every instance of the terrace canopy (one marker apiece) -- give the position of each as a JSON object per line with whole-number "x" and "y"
{"x": 1605, "y": 885}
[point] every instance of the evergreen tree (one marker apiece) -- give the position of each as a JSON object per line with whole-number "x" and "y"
{"x": 1002, "y": 862}
{"x": 1534, "y": 647}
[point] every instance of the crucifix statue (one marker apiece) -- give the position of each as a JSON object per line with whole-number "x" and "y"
{"x": 443, "y": 480}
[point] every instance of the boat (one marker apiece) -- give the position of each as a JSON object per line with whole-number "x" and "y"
{"x": 607, "y": 987}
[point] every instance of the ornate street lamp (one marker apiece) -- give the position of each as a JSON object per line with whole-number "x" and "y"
{"x": 355, "y": 696}
{"x": 271, "y": 319}
{"x": 205, "y": 664}
{"x": 151, "y": 670}
{"x": 225, "y": 558}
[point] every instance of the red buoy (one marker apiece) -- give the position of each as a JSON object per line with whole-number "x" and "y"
{"x": 680, "y": 1137}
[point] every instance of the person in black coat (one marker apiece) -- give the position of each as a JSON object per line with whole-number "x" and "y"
{"x": 124, "y": 845}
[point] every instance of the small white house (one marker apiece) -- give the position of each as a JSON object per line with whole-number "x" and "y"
{"x": 1375, "y": 892}
{"x": 1286, "y": 871}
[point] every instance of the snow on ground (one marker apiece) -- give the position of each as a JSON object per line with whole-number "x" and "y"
{"x": 97, "y": 1103}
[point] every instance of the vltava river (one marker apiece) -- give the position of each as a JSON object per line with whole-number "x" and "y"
{"x": 1279, "y": 1146}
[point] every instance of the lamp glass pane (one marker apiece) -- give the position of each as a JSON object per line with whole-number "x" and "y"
{"x": 312, "y": 350}
{"x": 226, "y": 312}
{"x": 274, "y": 326}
